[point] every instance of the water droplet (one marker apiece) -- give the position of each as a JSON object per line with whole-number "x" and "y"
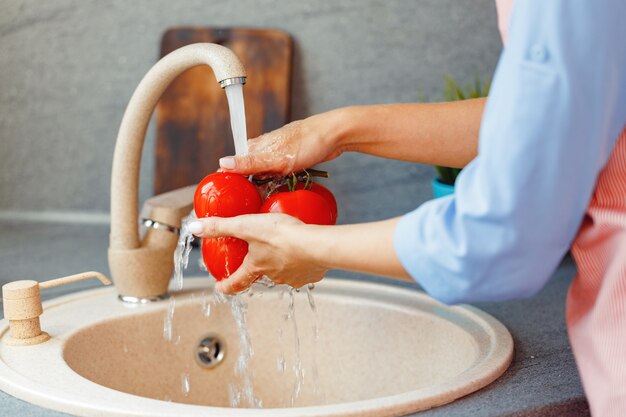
{"x": 206, "y": 307}
{"x": 309, "y": 295}
{"x": 281, "y": 365}
{"x": 185, "y": 388}
{"x": 201, "y": 265}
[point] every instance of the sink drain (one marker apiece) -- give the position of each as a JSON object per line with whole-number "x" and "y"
{"x": 210, "y": 352}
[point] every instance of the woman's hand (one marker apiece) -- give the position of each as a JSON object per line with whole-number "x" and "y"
{"x": 409, "y": 132}
{"x": 293, "y": 147}
{"x": 274, "y": 250}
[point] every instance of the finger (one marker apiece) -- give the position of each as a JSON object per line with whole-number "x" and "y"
{"x": 210, "y": 227}
{"x": 240, "y": 280}
{"x": 251, "y": 163}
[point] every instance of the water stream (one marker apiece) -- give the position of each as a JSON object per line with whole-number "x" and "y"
{"x": 234, "y": 94}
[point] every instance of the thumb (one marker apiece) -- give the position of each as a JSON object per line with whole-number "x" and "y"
{"x": 241, "y": 279}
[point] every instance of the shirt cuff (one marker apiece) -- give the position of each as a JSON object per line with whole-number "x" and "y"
{"x": 441, "y": 274}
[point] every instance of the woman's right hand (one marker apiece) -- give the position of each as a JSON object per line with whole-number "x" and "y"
{"x": 292, "y": 148}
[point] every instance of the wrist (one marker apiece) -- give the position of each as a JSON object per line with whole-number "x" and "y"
{"x": 309, "y": 245}
{"x": 356, "y": 127}
{"x": 337, "y": 127}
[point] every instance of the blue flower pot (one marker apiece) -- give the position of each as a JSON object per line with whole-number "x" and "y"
{"x": 440, "y": 189}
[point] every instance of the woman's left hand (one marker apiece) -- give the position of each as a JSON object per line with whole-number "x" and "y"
{"x": 274, "y": 249}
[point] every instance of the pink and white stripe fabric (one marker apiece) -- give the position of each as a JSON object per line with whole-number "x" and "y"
{"x": 596, "y": 303}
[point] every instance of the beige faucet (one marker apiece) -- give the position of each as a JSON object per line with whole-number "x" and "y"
{"x": 141, "y": 268}
{"x": 22, "y": 306}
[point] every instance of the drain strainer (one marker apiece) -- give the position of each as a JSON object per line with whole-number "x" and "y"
{"x": 210, "y": 352}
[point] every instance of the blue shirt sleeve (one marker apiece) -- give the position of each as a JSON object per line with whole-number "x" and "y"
{"x": 556, "y": 108}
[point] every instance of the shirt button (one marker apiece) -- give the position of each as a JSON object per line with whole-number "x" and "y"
{"x": 538, "y": 53}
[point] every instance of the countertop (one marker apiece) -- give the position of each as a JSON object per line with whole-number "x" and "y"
{"x": 542, "y": 380}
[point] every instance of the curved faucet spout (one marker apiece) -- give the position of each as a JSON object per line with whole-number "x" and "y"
{"x": 126, "y": 257}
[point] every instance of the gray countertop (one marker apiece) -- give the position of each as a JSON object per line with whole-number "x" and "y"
{"x": 542, "y": 380}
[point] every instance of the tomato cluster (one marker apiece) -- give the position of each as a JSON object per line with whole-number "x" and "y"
{"x": 224, "y": 194}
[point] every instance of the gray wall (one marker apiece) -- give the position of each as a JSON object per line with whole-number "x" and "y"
{"x": 68, "y": 67}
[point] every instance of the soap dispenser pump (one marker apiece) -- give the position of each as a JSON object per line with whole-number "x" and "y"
{"x": 22, "y": 307}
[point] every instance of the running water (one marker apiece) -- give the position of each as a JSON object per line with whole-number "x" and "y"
{"x": 316, "y": 336}
{"x": 181, "y": 260}
{"x": 297, "y": 366}
{"x": 234, "y": 94}
{"x": 241, "y": 394}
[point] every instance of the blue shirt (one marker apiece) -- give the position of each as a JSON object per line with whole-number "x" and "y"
{"x": 556, "y": 107}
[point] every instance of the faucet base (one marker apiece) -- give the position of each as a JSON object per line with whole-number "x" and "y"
{"x": 12, "y": 341}
{"x": 129, "y": 299}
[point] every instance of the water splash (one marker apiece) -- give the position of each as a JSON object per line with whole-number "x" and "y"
{"x": 183, "y": 249}
{"x": 181, "y": 261}
{"x": 169, "y": 319}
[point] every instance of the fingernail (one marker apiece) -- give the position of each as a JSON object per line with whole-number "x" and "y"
{"x": 195, "y": 227}
{"x": 227, "y": 162}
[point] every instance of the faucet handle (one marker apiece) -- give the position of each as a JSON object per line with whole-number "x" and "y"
{"x": 22, "y": 306}
{"x": 169, "y": 208}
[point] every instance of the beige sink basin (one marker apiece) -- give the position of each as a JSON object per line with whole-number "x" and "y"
{"x": 381, "y": 350}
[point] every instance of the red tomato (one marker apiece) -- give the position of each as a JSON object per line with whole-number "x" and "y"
{"x": 305, "y": 205}
{"x": 321, "y": 190}
{"x": 225, "y": 194}
{"x": 223, "y": 255}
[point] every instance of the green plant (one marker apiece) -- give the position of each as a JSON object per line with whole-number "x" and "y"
{"x": 453, "y": 92}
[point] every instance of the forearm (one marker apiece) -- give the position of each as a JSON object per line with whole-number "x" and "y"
{"x": 366, "y": 247}
{"x": 430, "y": 133}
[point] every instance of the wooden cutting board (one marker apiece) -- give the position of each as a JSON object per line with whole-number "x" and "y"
{"x": 193, "y": 122}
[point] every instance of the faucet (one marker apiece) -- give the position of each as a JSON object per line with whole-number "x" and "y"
{"x": 141, "y": 268}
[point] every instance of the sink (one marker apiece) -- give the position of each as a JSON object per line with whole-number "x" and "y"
{"x": 378, "y": 350}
